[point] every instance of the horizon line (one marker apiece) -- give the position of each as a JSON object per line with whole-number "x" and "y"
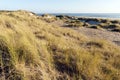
{"x": 37, "y": 12}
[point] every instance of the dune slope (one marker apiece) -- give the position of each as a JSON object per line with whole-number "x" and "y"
{"x": 32, "y": 49}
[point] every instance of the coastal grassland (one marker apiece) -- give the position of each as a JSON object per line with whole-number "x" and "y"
{"x": 96, "y": 23}
{"x": 31, "y": 49}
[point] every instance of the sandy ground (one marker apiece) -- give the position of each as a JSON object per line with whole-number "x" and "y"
{"x": 101, "y": 34}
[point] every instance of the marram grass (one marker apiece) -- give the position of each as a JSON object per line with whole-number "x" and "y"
{"x": 31, "y": 49}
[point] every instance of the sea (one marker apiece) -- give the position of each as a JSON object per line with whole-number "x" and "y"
{"x": 94, "y": 15}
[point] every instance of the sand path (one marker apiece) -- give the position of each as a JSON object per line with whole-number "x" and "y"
{"x": 101, "y": 34}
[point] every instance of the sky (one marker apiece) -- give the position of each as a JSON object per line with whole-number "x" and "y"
{"x": 62, "y": 6}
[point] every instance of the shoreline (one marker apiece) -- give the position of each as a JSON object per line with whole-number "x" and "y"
{"x": 85, "y": 16}
{"x": 100, "y": 18}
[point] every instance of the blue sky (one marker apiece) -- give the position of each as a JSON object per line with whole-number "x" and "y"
{"x": 63, "y": 6}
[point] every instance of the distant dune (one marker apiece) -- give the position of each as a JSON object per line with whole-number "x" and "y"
{"x": 60, "y": 47}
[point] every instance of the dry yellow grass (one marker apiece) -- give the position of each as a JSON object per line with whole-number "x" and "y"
{"x": 31, "y": 49}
